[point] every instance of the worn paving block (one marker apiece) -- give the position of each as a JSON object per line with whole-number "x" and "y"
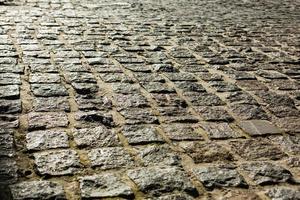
{"x": 159, "y": 180}
{"x": 95, "y": 137}
{"x": 38, "y": 120}
{"x": 141, "y": 134}
{"x": 214, "y": 177}
{"x": 37, "y": 190}
{"x": 265, "y": 173}
{"x": 259, "y": 127}
{"x": 110, "y": 158}
{"x": 57, "y": 162}
{"x": 207, "y": 152}
{"x": 48, "y": 139}
{"x": 220, "y": 131}
{"x": 104, "y": 185}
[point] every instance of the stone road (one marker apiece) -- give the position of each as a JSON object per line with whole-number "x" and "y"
{"x": 150, "y": 99}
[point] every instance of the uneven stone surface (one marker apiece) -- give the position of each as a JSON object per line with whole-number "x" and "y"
{"x": 37, "y": 190}
{"x": 57, "y": 162}
{"x": 267, "y": 173}
{"x": 41, "y": 140}
{"x": 104, "y": 185}
{"x": 110, "y": 158}
{"x": 145, "y": 99}
{"x": 212, "y": 177}
{"x": 158, "y": 180}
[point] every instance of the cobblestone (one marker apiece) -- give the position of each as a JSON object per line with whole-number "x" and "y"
{"x": 134, "y": 99}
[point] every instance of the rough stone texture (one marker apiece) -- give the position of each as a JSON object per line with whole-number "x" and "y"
{"x": 104, "y": 185}
{"x": 159, "y": 180}
{"x": 95, "y": 87}
{"x": 219, "y": 131}
{"x": 257, "y": 149}
{"x": 95, "y": 137}
{"x": 57, "y": 162}
{"x": 9, "y": 92}
{"x": 259, "y": 127}
{"x": 37, "y": 190}
{"x": 213, "y": 177}
{"x": 180, "y": 132}
{"x": 49, "y": 90}
{"x": 10, "y": 106}
{"x": 158, "y": 155}
{"x": 93, "y": 118}
{"x": 8, "y": 171}
{"x": 267, "y": 173}
{"x": 51, "y": 104}
{"x": 41, "y": 140}
{"x": 283, "y": 193}
{"x": 142, "y": 134}
{"x": 47, "y": 120}
{"x": 207, "y": 152}
{"x": 110, "y": 158}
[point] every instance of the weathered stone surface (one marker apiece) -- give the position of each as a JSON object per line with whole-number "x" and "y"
{"x": 203, "y": 99}
{"x": 9, "y": 121}
{"x": 139, "y": 116}
{"x": 37, "y": 190}
{"x": 10, "y": 79}
{"x": 57, "y": 162}
{"x": 44, "y": 78}
{"x": 141, "y": 134}
{"x": 7, "y": 145}
{"x": 50, "y": 104}
{"x": 207, "y": 152}
{"x": 214, "y": 114}
{"x": 221, "y": 86}
{"x": 289, "y": 124}
{"x": 259, "y": 127}
{"x": 110, "y": 158}
{"x": 171, "y": 99}
{"x": 157, "y": 87}
{"x": 41, "y": 140}
{"x": 159, "y": 180}
{"x": 115, "y": 77}
{"x": 158, "y": 155}
{"x": 237, "y": 194}
{"x": 131, "y": 101}
{"x": 214, "y": 177}
{"x": 264, "y": 173}
{"x": 80, "y": 77}
{"x": 248, "y": 112}
{"x": 176, "y": 115}
{"x": 257, "y": 149}
{"x": 48, "y": 90}
{"x": 85, "y": 88}
{"x": 9, "y": 92}
{"x": 289, "y": 143}
{"x": 93, "y": 118}
{"x": 10, "y": 106}
{"x": 47, "y": 120}
{"x": 93, "y": 102}
{"x": 95, "y": 137}
{"x": 8, "y": 170}
{"x": 181, "y": 132}
{"x": 104, "y": 185}
{"x": 219, "y": 131}
{"x": 283, "y": 193}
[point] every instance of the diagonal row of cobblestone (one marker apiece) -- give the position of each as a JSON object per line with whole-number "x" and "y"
{"x": 149, "y": 99}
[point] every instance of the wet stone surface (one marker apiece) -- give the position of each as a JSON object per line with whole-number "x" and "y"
{"x": 133, "y": 99}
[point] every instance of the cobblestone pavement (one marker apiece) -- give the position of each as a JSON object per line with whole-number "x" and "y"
{"x": 132, "y": 99}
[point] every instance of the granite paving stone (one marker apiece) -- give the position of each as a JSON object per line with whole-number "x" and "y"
{"x": 146, "y": 99}
{"x": 104, "y": 185}
{"x": 38, "y": 189}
